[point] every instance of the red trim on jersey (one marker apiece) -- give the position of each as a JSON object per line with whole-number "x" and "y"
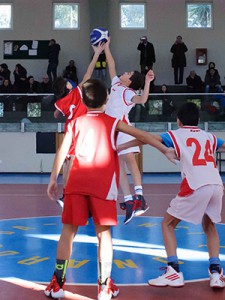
{"x": 214, "y": 143}
{"x": 190, "y": 127}
{"x": 128, "y": 104}
{"x": 185, "y": 189}
{"x": 175, "y": 143}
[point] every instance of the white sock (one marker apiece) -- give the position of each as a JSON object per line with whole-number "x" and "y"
{"x": 138, "y": 190}
{"x": 128, "y": 198}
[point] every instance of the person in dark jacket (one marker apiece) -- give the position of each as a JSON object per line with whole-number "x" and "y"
{"x": 53, "y": 61}
{"x": 179, "y": 59}
{"x": 70, "y": 72}
{"x": 212, "y": 81}
{"x": 194, "y": 83}
{"x": 147, "y": 55}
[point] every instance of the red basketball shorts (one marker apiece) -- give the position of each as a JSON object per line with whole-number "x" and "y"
{"x": 78, "y": 207}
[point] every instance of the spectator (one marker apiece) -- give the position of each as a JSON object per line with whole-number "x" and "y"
{"x": 6, "y": 87}
{"x": 179, "y": 59}
{"x": 33, "y": 86}
{"x": 100, "y": 67}
{"x": 20, "y": 79}
{"x": 167, "y": 105}
{"x": 4, "y": 72}
{"x": 70, "y": 72}
{"x": 147, "y": 55}
{"x": 45, "y": 85}
{"x": 53, "y": 55}
{"x": 212, "y": 81}
{"x": 194, "y": 83}
{"x": 211, "y": 65}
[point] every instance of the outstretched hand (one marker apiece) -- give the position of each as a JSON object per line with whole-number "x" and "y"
{"x": 171, "y": 155}
{"x": 99, "y": 48}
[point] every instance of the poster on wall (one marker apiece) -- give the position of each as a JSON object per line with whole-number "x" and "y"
{"x": 25, "y": 49}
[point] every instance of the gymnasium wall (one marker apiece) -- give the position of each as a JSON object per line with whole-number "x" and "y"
{"x": 18, "y": 155}
{"x": 165, "y": 20}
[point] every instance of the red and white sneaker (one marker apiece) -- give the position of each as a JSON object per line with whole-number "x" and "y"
{"x": 171, "y": 277}
{"x": 217, "y": 280}
{"x": 108, "y": 290}
{"x": 141, "y": 205}
{"x": 55, "y": 290}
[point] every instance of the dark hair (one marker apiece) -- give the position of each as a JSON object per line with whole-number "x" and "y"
{"x": 4, "y": 66}
{"x": 188, "y": 114}
{"x": 94, "y": 93}
{"x": 137, "y": 81}
{"x": 211, "y": 63}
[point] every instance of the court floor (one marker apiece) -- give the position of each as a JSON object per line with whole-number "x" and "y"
{"x": 30, "y": 226}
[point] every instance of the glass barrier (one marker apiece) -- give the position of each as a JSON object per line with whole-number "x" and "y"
{"x": 34, "y": 112}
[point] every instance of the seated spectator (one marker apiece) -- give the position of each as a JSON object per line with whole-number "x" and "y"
{"x": 33, "y": 86}
{"x": 6, "y": 87}
{"x": 20, "y": 79}
{"x": 167, "y": 105}
{"x": 46, "y": 85}
{"x": 212, "y": 81}
{"x": 70, "y": 72}
{"x": 4, "y": 72}
{"x": 194, "y": 83}
{"x": 211, "y": 65}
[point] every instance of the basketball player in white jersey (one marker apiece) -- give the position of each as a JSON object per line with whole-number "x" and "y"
{"x": 200, "y": 197}
{"x": 122, "y": 98}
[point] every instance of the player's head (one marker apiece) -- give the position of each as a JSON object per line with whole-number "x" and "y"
{"x": 135, "y": 80}
{"x": 188, "y": 114}
{"x": 94, "y": 93}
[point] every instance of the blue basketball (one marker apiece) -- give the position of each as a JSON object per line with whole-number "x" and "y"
{"x": 98, "y": 35}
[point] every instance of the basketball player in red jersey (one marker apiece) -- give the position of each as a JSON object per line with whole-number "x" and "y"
{"x": 71, "y": 107}
{"x": 92, "y": 184}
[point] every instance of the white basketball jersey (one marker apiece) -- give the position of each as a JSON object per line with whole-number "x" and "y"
{"x": 196, "y": 148}
{"x": 119, "y": 103}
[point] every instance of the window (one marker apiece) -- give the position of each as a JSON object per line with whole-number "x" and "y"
{"x": 66, "y": 16}
{"x": 5, "y": 16}
{"x": 199, "y": 15}
{"x": 132, "y": 16}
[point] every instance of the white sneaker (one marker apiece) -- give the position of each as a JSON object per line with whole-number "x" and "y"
{"x": 60, "y": 201}
{"x": 217, "y": 280}
{"x": 170, "y": 277}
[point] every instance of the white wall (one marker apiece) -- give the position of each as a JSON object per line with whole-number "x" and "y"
{"x": 165, "y": 20}
{"x": 18, "y": 155}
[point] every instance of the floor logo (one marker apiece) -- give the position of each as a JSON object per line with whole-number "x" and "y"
{"x": 28, "y": 250}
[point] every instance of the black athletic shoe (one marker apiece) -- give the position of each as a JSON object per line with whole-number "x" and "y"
{"x": 129, "y": 206}
{"x": 141, "y": 205}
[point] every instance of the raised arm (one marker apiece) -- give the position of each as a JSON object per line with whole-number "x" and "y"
{"x": 97, "y": 50}
{"x": 110, "y": 60}
{"x": 144, "y": 96}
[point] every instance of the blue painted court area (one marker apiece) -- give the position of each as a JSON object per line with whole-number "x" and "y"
{"x": 28, "y": 250}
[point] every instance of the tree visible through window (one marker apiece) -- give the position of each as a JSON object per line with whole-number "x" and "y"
{"x": 132, "y": 15}
{"x": 5, "y": 16}
{"x": 66, "y": 16}
{"x": 199, "y": 15}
